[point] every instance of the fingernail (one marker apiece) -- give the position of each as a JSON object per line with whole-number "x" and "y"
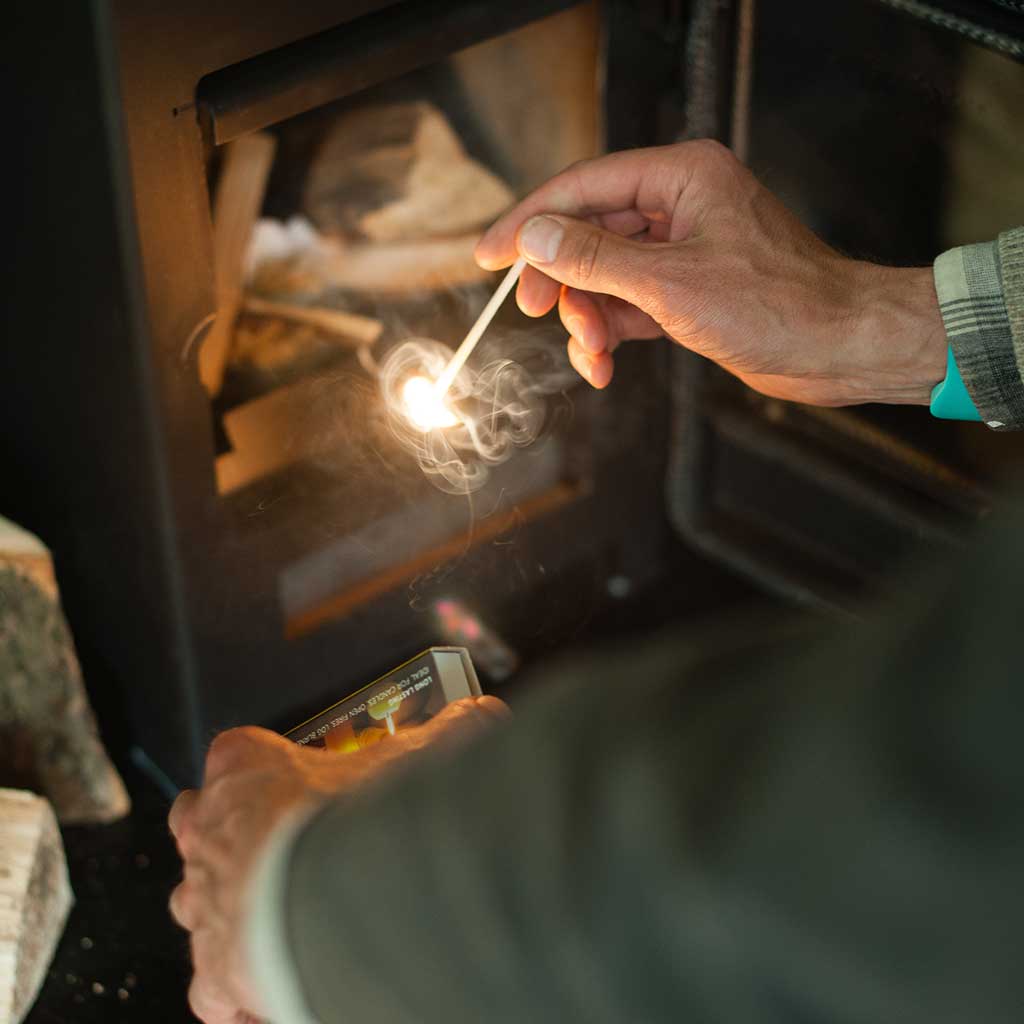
{"x": 601, "y": 373}
{"x": 588, "y": 342}
{"x": 494, "y": 706}
{"x": 591, "y": 343}
{"x": 540, "y": 238}
{"x": 482, "y": 257}
{"x": 579, "y": 362}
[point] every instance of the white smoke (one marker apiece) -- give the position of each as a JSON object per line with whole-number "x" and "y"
{"x": 501, "y": 406}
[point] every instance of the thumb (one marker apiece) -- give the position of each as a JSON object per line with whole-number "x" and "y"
{"x": 459, "y": 721}
{"x": 582, "y": 255}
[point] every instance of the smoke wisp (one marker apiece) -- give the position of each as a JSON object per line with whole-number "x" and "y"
{"x": 501, "y": 404}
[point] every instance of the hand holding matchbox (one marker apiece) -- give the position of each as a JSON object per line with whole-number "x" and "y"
{"x": 407, "y": 696}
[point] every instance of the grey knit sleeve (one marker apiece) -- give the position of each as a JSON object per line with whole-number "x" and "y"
{"x": 981, "y": 296}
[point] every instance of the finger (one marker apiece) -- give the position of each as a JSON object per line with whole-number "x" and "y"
{"x": 460, "y": 720}
{"x": 181, "y": 813}
{"x": 210, "y": 995}
{"x": 623, "y": 222}
{"x": 210, "y": 1003}
{"x": 494, "y": 706}
{"x": 648, "y": 181}
{"x": 240, "y": 748}
{"x": 626, "y": 322}
{"x": 601, "y": 322}
{"x": 581, "y": 255}
{"x": 183, "y": 907}
{"x": 652, "y": 182}
{"x": 536, "y": 293}
{"x": 595, "y": 370}
{"x": 584, "y": 320}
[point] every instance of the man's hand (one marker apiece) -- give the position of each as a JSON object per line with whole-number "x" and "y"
{"x": 683, "y": 241}
{"x": 253, "y": 779}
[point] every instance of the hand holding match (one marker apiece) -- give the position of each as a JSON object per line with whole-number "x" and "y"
{"x": 683, "y": 241}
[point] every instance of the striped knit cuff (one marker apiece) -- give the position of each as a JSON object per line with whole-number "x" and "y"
{"x": 969, "y": 284}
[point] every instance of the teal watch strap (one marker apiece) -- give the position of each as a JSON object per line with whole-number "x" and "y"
{"x": 950, "y": 399}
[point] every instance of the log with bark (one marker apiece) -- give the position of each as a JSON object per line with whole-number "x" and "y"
{"x": 48, "y": 737}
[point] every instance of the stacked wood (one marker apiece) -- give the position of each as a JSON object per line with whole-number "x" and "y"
{"x": 240, "y": 191}
{"x": 397, "y": 204}
{"x": 399, "y": 173}
{"x": 35, "y": 897}
{"x": 285, "y": 426}
{"x": 389, "y": 269}
{"x": 48, "y": 737}
{"x": 399, "y": 268}
{"x": 350, "y": 329}
{"x": 396, "y": 207}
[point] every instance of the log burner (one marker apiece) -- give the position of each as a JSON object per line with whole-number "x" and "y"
{"x": 238, "y": 549}
{"x": 264, "y": 545}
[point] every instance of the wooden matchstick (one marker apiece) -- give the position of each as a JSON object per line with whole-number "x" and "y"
{"x": 463, "y": 352}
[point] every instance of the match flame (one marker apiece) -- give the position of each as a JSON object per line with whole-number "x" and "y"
{"x": 424, "y": 407}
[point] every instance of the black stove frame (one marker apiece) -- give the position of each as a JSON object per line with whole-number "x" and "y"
{"x": 108, "y": 441}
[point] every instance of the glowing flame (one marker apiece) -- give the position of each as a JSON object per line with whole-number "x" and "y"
{"x": 424, "y": 407}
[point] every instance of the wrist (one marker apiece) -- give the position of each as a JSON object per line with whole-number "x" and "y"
{"x": 267, "y": 956}
{"x": 898, "y": 346}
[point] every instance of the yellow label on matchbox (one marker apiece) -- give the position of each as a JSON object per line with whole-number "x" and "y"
{"x": 408, "y": 695}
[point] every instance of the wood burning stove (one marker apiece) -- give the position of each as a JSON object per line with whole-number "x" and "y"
{"x": 259, "y": 602}
{"x": 207, "y": 605}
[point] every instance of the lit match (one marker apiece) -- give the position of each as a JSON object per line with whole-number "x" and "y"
{"x": 424, "y": 407}
{"x": 424, "y": 401}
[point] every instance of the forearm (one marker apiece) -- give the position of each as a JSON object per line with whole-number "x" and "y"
{"x": 532, "y": 878}
{"x": 901, "y": 323}
{"x": 835, "y": 834}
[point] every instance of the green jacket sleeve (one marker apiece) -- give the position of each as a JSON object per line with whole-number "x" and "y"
{"x": 820, "y": 824}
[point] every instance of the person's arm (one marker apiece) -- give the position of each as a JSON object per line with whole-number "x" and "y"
{"x": 684, "y": 241}
{"x": 697, "y": 832}
{"x": 980, "y": 290}
{"x": 256, "y": 785}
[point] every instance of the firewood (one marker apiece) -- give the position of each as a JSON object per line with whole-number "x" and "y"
{"x": 285, "y": 426}
{"x": 399, "y": 173}
{"x": 390, "y": 269}
{"x": 48, "y": 737}
{"x": 35, "y": 897}
{"x": 400, "y": 267}
{"x": 352, "y": 328}
{"x": 240, "y": 192}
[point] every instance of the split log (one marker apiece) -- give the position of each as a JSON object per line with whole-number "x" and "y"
{"x": 48, "y": 735}
{"x": 321, "y": 264}
{"x": 285, "y": 426}
{"x": 399, "y": 173}
{"x": 35, "y": 897}
{"x": 243, "y": 182}
{"x": 402, "y": 267}
{"x": 350, "y": 327}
